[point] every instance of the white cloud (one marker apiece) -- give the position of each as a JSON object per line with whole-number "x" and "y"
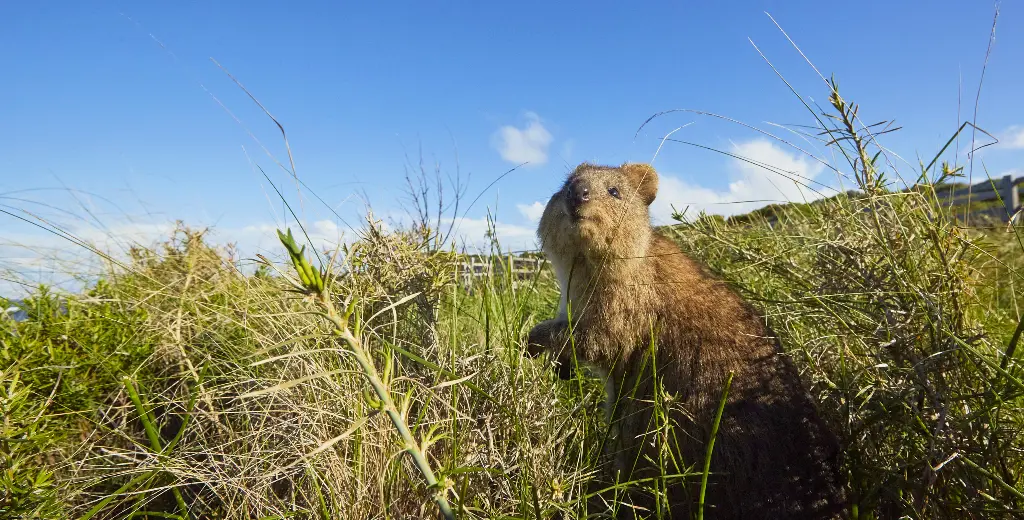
{"x": 325, "y": 235}
{"x": 35, "y": 257}
{"x": 38, "y": 257}
{"x": 529, "y": 144}
{"x": 326, "y": 228}
{"x": 567, "y": 148}
{"x": 1012, "y": 138}
{"x": 532, "y": 212}
{"x": 471, "y": 233}
{"x": 751, "y": 186}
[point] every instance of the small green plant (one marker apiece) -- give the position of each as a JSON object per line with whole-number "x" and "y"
{"x": 711, "y": 445}
{"x": 27, "y": 488}
{"x": 311, "y": 282}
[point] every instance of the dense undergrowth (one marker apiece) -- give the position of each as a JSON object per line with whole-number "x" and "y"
{"x": 179, "y": 386}
{"x": 260, "y": 413}
{"x": 901, "y": 321}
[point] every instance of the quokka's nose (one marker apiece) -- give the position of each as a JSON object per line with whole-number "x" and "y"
{"x": 578, "y": 194}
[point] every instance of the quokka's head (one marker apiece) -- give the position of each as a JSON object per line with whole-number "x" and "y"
{"x": 600, "y": 211}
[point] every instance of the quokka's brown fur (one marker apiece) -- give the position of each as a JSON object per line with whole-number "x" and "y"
{"x": 622, "y": 284}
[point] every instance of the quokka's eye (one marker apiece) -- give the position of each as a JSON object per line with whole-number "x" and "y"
{"x": 614, "y": 192}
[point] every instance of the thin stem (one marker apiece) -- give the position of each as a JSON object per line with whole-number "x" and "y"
{"x": 387, "y": 404}
{"x": 711, "y": 446}
{"x": 1012, "y": 347}
{"x": 154, "y": 437}
{"x": 109, "y": 498}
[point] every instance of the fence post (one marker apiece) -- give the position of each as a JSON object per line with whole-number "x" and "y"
{"x": 1008, "y": 193}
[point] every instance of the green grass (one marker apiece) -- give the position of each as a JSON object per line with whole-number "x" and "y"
{"x": 256, "y": 409}
{"x": 180, "y": 386}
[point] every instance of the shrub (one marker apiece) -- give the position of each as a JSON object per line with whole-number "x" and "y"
{"x": 879, "y": 298}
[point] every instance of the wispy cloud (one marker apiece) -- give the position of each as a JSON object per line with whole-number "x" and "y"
{"x": 532, "y": 212}
{"x": 524, "y": 145}
{"x": 32, "y": 257}
{"x": 1012, "y": 138}
{"x": 323, "y": 234}
{"x": 62, "y": 259}
{"x": 566, "y": 151}
{"x": 471, "y": 234}
{"x": 37, "y": 257}
{"x": 750, "y": 187}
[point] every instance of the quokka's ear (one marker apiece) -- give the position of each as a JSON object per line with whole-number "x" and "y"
{"x": 643, "y": 179}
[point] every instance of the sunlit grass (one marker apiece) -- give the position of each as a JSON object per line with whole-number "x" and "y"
{"x": 186, "y": 384}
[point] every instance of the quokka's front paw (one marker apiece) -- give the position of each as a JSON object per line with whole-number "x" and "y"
{"x": 538, "y": 339}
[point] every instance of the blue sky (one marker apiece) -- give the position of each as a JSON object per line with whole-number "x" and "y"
{"x": 112, "y": 116}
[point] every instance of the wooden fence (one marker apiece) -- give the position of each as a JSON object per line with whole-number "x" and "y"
{"x": 519, "y": 267}
{"x": 1004, "y": 189}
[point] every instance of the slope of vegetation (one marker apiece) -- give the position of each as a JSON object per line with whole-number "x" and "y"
{"x": 178, "y": 386}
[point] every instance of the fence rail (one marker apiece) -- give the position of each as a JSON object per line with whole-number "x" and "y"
{"x": 518, "y": 267}
{"x": 1004, "y": 189}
